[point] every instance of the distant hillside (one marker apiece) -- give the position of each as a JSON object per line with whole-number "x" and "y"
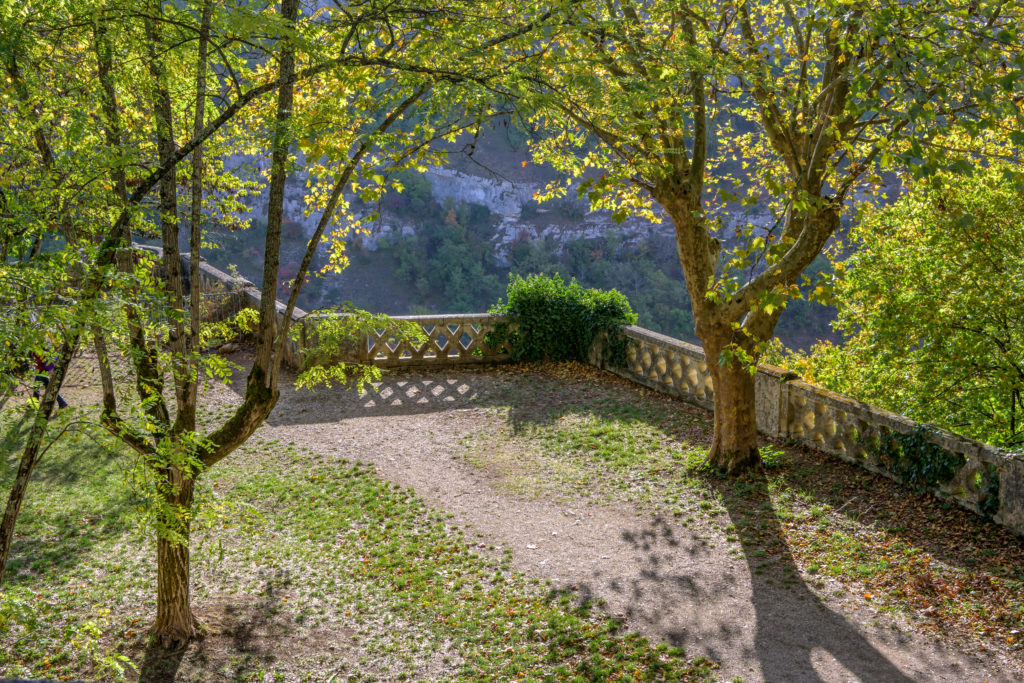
{"x": 449, "y": 241}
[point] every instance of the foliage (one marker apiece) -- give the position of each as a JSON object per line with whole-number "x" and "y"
{"x": 94, "y": 123}
{"x": 696, "y": 113}
{"x": 340, "y": 344}
{"x": 989, "y": 490}
{"x": 449, "y": 259}
{"x": 930, "y": 300}
{"x": 22, "y": 623}
{"x": 915, "y": 459}
{"x": 559, "y": 321}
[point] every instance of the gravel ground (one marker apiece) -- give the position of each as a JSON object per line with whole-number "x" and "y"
{"x": 674, "y": 583}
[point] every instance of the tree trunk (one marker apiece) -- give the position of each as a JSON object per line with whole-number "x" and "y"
{"x": 186, "y": 418}
{"x": 266, "y": 332}
{"x": 173, "y": 284}
{"x": 176, "y": 625}
{"x": 734, "y": 446}
{"x": 33, "y": 450}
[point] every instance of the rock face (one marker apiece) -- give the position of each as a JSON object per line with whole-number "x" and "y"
{"x": 500, "y": 196}
{"x": 505, "y": 200}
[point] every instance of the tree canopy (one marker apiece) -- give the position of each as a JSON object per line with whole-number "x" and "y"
{"x": 930, "y": 299}
{"x": 691, "y": 113}
{"x": 112, "y": 98}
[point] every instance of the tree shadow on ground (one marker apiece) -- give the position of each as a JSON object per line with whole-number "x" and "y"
{"x": 241, "y": 637}
{"x": 674, "y": 598}
{"x": 785, "y": 606}
{"x": 956, "y": 537}
{"x": 57, "y": 537}
{"x": 160, "y": 664}
{"x": 539, "y": 396}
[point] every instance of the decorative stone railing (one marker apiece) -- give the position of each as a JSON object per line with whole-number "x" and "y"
{"x": 786, "y": 407}
{"x": 791, "y": 409}
{"x": 450, "y": 340}
{"x": 224, "y": 296}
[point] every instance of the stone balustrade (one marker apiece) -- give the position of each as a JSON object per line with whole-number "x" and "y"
{"x": 450, "y": 340}
{"x": 786, "y": 407}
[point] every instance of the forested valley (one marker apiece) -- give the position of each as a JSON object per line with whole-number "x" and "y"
{"x": 441, "y": 252}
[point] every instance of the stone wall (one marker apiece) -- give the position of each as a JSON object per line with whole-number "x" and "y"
{"x": 787, "y": 408}
{"x": 451, "y": 340}
{"x": 224, "y": 295}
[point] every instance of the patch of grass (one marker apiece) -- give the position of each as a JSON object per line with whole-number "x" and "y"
{"x": 315, "y": 568}
{"x": 68, "y": 563}
{"x": 908, "y": 552}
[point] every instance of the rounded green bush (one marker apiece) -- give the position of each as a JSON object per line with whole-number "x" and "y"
{"x": 560, "y": 321}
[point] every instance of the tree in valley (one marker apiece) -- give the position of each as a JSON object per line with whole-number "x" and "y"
{"x": 692, "y": 113}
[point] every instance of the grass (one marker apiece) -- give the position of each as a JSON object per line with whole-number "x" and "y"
{"x": 956, "y": 574}
{"x": 310, "y": 569}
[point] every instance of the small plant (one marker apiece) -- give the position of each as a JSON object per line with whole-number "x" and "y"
{"x": 340, "y": 346}
{"x": 559, "y": 321}
{"x": 772, "y": 457}
{"x": 989, "y": 502}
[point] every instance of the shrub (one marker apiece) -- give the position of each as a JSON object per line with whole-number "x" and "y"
{"x": 559, "y": 321}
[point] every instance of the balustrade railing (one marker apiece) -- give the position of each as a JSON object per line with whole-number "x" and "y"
{"x": 987, "y": 479}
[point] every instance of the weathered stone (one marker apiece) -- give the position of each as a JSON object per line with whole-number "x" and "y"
{"x": 785, "y": 407}
{"x": 1011, "y": 494}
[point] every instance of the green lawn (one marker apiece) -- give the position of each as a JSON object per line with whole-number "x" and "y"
{"x": 804, "y": 516}
{"x": 310, "y": 568}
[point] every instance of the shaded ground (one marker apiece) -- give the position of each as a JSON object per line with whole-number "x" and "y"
{"x": 721, "y": 582}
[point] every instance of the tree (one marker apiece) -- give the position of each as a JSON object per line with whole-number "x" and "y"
{"x": 352, "y": 73}
{"x": 707, "y": 108}
{"x": 930, "y": 299}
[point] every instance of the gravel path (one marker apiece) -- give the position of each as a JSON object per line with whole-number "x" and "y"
{"x": 674, "y": 583}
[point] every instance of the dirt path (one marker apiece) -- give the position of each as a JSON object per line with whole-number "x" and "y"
{"x": 677, "y": 584}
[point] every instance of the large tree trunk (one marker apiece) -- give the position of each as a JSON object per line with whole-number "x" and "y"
{"x": 734, "y": 447}
{"x": 186, "y": 419}
{"x": 175, "y": 625}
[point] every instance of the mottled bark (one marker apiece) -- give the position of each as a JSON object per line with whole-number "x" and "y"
{"x": 173, "y": 281}
{"x": 106, "y": 377}
{"x": 261, "y": 391}
{"x": 734, "y": 445}
{"x": 267, "y": 331}
{"x": 186, "y": 419}
{"x": 175, "y": 624}
{"x": 112, "y": 133}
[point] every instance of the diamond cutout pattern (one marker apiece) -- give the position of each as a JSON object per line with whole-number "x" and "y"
{"x": 449, "y": 339}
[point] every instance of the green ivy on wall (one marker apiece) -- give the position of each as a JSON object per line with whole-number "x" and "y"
{"x": 917, "y": 461}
